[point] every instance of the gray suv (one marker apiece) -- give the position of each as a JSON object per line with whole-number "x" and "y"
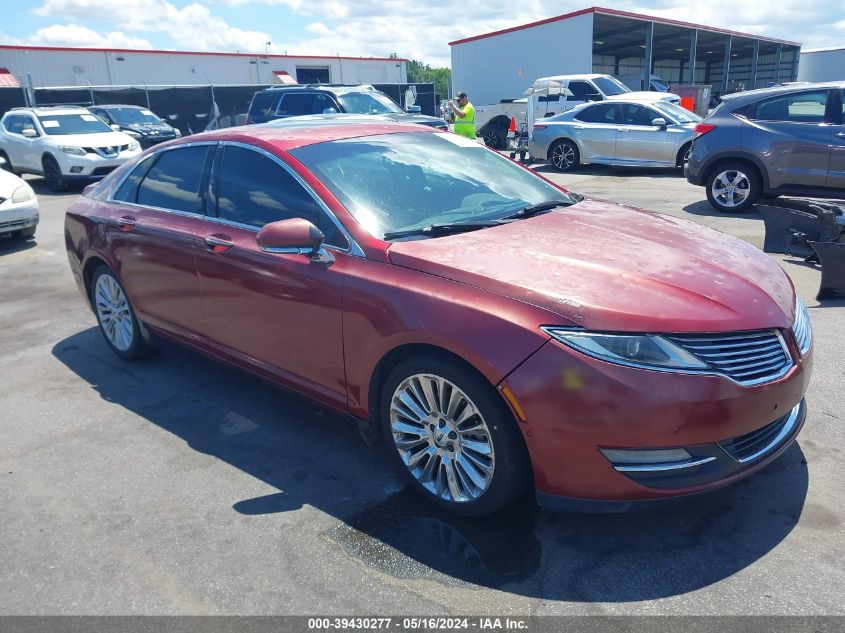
{"x": 783, "y": 140}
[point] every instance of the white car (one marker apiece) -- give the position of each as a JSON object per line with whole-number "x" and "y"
{"x": 18, "y": 206}
{"x": 62, "y": 144}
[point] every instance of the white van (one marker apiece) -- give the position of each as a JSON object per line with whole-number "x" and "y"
{"x": 635, "y": 82}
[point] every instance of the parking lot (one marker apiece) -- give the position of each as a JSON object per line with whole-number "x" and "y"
{"x": 180, "y": 486}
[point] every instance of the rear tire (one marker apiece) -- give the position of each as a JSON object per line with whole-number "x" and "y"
{"x": 53, "y": 174}
{"x": 494, "y": 136}
{"x": 118, "y": 323}
{"x": 733, "y": 187}
{"x": 564, "y": 155}
{"x": 465, "y": 455}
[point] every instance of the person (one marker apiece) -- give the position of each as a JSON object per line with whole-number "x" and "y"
{"x": 464, "y": 116}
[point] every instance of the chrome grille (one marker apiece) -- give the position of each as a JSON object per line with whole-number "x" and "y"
{"x": 755, "y": 444}
{"x": 746, "y": 357}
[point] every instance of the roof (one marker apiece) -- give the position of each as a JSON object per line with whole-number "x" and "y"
{"x": 624, "y": 14}
{"x": 7, "y": 79}
{"x": 833, "y": 49}
{"x": 48, "y": 110}
{"x": 168, "y": 52}
{"x": 288, "y": 134}
{"x": 752, "y": 95}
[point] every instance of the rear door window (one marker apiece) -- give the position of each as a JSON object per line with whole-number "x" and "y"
{"x": 802, "y": 107}
{"x": 602, "y": 113}
{"x": 255, "y": 190}
{"x": 174, "y": 180}
{"x": 264, "y": 103}
{"x": 297, "y": 104}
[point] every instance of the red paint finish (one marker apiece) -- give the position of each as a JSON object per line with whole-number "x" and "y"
{"x": 323, "y": 328}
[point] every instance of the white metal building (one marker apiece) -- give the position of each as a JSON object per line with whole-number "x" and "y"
{"x": 823, "y": 64}
{"x": 503, "y": 64}
{"x": 50, "y": 66}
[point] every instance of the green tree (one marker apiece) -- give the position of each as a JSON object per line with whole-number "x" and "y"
{"x": 419, "y": 72}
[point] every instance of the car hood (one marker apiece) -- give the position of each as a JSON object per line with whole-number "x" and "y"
{"x": 8, "y": 183}
{"x": 100, "y": 139}
{"x": 609, "y": 267}
{"x": 645, "y": 95}
{"x": 422, "y": 119}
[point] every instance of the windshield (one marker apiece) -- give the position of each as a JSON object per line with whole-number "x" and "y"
{"x": 676, "y": 112}
{"x": 367, "y": 103}
{"x": 83, "y": 123}
{"x": 658, "y": 85}
{"x": 128, "y": 116}
{"x": 610, "y": 86}
{"x": 397, "y": 182}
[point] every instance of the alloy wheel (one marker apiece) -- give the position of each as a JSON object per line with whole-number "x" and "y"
{"x": 563, "y": 156}
{"x": 113, "y": 312}
{"x": 731, "y": 188}
{"x": 442, "y": 438}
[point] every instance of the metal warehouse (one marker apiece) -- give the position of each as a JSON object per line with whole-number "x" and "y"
{"x": 34, "y": 67}
{"x": 824, "y": 64}
{"x": 502, "y": 64}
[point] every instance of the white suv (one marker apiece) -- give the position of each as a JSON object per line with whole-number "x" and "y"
{"x": 62, "y": 143}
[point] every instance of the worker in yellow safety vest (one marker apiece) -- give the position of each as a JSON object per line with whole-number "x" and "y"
{"x": 464, "y": 116}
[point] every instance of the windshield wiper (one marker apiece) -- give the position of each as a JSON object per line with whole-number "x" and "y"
{"x": 536, "y": 209}
{"x": 442, "y": 229}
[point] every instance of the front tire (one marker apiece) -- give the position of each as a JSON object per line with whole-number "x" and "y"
{"x": 733, "y": 187}
{"x": 564, "y": 156}
{"x": 494, "y": 136}
{"x": 115, "y": 316}
{"x": 453, "y": 436}
{"x": 7, "y": 166}
{"x": 53, "y": 174}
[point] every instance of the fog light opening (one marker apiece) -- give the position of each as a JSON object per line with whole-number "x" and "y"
{"x": 76, "y": 169}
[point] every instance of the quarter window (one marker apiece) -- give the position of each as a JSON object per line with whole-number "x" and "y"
{"x": 174, "y": 181}
{"x": 803, "y": 107}
{"x": 255, "y": 190}
{"x": 264, "y": 103}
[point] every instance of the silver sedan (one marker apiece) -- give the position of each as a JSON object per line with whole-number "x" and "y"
{"x": 618, "y": 132}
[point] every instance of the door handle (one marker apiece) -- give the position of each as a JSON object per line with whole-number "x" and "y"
{"x": 218, "y": 243}
{"x": 622, "y": 129}
{"x": 841, "y": 135}
{"x": 579, "y": 127}
{"x": 126, "y": 223}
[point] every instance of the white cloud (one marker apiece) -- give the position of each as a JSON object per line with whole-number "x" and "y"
{"x": 76, "y": 35}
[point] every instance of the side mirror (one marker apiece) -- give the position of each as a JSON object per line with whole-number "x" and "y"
{"x": 29, "y": 133}
{"x": 414, "y": 109}
{"x": 659, "y": 122}
{"x": 115, "y": 127}
{"x": 294, "y": 236}
{"x": 594, "y": 96}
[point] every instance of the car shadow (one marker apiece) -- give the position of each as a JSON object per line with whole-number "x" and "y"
{"x": 611, "y": 170}
{"x": 315, "y": 457}
{"x": 9, "y": 244}
{"x": 41, "y": 188}
{"x": 704, "y": 208}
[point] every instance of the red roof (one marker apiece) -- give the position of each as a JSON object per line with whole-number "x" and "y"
{"x": 624, "y": 14}
{"x": 7, "y": 79}
{"x": 166, "y": 52}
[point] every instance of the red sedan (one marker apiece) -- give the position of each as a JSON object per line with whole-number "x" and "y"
{"x": 501, "y": 332}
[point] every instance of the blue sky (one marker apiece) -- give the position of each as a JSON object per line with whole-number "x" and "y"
{"x": 368, "y": 27}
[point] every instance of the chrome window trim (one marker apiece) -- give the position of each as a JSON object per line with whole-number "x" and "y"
{"x": 353, "y": 249}
{"x": 668, "y": 370}
{"x": 785, "y": 430}
{"x": 663, "y": 467}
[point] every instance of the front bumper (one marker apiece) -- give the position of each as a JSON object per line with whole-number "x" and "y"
{"x": 17, "y": 216}
{"x": 574, "y": 405}
{"x": 91, "y": 165}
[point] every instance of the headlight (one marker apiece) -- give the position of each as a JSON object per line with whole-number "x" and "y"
{"x": 70, "y": 149}
{"x": 177, "y": 132}
{"x": 133, "y": 146}
{"x": 133, "y": 134}
{"x": 801, "y": 328}
{"x": 640, "y": 350}
{"x": 23, "y": 194}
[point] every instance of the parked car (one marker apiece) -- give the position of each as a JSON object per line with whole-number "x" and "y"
{"x": 549, "y": 96}
{"x": 618, "y": 132}
{"x": 139, "y": 123}
{"x": 18, "y": 205}
{"x": 786, "y": 140}
{"x": 285, "y": 101}
{"x": 499, "y": 331}
{"x": 62, "y": 144}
